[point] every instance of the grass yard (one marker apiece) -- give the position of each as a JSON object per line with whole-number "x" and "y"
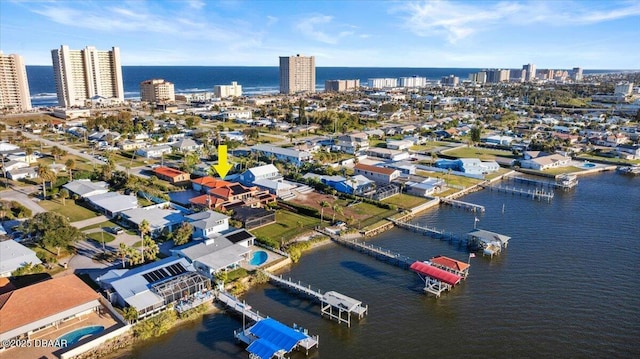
{"x": 98, "y": 237}
{"x": 71, "y": 210}
{"x": 368, "y": 214}
{"x": 268, "y": 139}
{"x": 451, "y": 180}
{"x": 287, "y": 226}
{"x": 561, "y": 170}
{"x": 405, "y": 201}
{"x": 485, "y": 154}
{"x": 500, "y": 172}
{"x": 618, "y": 161}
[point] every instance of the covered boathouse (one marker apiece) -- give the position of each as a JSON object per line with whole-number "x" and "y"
{"x": 436, "y": 280}
{"x": 269, "y": 338}
{"x": 451, "y": 265}
{"x": 490, "y": 243}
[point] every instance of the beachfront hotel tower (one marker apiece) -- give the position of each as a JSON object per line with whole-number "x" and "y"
{"x": 81, "y": 75}
{"x": 14, "y": 87}
{"x": 297, "y": 74}
{"x": 157, "y": 91}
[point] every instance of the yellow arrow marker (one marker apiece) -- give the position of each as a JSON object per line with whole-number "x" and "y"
{"x": 223, "y": 166}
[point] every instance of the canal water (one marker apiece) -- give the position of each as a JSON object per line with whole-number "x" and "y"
{"x": 567, "y": 286}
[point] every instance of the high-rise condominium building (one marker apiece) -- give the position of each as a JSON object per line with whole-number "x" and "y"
{"x": 576, "y": 74}
{"x": 297, "y": 74}
{"x": 224, "y": 91}
{"x": 478, "y": 77}
{"x": 530, "y": 74}
{"x": 450, "y": 81}
{"x": 413, "y": 81}
{"x": 497, "y": 75}
{"x": 83, "y": 74}
{"x": 341, "y": 85}
{"x": 14, "y": 87}
{"x": 380, "y": 83}
{"x": 156, "y": 91}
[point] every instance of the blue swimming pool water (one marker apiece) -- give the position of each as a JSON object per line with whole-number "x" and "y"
{"x": 258, "y": 258}
{"x": 588, "y": 165}
{"x": 75, "y": 336}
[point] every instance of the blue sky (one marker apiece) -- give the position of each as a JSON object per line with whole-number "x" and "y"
{"x": 550, "y": 34}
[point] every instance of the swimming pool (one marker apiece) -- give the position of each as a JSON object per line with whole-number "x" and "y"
{"x": 258, "y": 258}
{"x": 588, "y": 165}
{"x": 78, "y": 334}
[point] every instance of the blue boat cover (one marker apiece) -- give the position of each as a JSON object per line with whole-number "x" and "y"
{"x": 273, "y": 336}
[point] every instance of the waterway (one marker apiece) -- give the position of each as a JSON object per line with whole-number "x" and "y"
{"x": 567, "y": 287}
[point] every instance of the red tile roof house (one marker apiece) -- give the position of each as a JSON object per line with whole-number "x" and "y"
{"x": 27, "y": 310}
{"x": 171, "y": 175}
{"x": 230, "y": 194}
{"x": 379, "y": 175}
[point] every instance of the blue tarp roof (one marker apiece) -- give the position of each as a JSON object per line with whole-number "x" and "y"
{"x": 273, "y": 336}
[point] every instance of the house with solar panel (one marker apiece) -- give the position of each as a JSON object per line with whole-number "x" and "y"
{"x": 152, "y": 287}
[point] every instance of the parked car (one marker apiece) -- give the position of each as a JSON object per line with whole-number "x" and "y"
{"x": 116, "y": 230}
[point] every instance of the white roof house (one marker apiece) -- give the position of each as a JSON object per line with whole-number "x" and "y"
{"x": 85, "y": 188}
{"x": 208, "y": 223}
{"x": 214, "y": 254}
{"x": 112, "y": 203}
{"x": 269, "y": 171}
{"x": 158, "y": 218}
{"x": 282, "y": 154}
{"x": 14, "y": 255}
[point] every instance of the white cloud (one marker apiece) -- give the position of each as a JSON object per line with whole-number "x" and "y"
{"x": 457, "y": 20}
{"x": 271, "y": 20}
{"x": 196, "y": 4}
{"x": 309, "y": 27}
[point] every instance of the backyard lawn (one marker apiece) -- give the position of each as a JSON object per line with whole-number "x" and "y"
{"x": 287, "y": 226}
{"x": 101, "y": 236}
{"x": 451, "y": 180}
{"x": 405, "y": 201}
{"x": 70, "y": 210}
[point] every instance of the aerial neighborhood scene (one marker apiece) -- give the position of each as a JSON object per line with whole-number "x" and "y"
{"x": 274, "y": 179}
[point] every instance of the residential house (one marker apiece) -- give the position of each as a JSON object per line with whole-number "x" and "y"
{"x": 152, "y": 287}
{"x": 613, "y": 140}
{"x": 51, "y": 303}
{"x": 629, "y": 152}
{"x": 356, "y": 185}
{"x": 269, "y": 172}
{"x": 14, "y": 165}
{"x": 425, "y": 188}
{"x": 159, "y": 219}
{"x": 353, "y": 143}
{"x": 546, "y": 162}
{"x": 471, "y": 166}
{"x": 379, "y": 175}
{"x": 22, "y": 173}
{"x": 399, "y": 144}
{"x": 228, "y": 195}
{"x": 282, "y": 154}
{"x": 85, "y": 188}
{"x": 154, "y": 151}
{"x": 208, "y": 223}
{"x": 131, "y": 145}
{"x": 171, "y": 175}
{"x": 14, "y": 255}
{"x": 217, "y": 254}
{"x": 206, "y": 183}
{"x": 388, "y": 154}
{"x": 186, "y": 145}
{"x": 112, "y": 203}
{"x": 498, "y": 140}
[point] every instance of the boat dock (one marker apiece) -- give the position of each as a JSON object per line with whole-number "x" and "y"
{"x": 397, "y": 259}
{"x": 460, "y": 204}
{"x": 332, "y": 304}
{"x": 257, "y": 335}
{"x": 564, "y": 181}
{"x": 538, "y": 194}
{"x": 240, "y": 307}
{"x": 416, "y": 228}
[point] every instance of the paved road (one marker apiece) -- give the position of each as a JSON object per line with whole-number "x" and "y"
{"x": 21, "y": 197}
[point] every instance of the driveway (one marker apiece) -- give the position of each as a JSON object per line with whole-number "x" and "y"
{"x": 86, "y": 250}
{"x": 23, "y": 199}
{"x": 89, "y": 222}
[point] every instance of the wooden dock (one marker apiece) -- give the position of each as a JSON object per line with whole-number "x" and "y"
{"x": 416, "y": 228}
{"x": 380, "y": 253}
{"x": 538, "y": 194}
{"x": 240, "y": 307}
{"x": 332, "y": 304}
{"x": 460, "y": 204}
{"x": 563, "y": 182}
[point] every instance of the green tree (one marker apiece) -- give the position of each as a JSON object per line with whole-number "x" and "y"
{"x": 475, "y": 133}
{"x": 183, "y": 234}
{"x": 61, "y": 237}
{"x": 150, "y": 249}
{"x": 144, "y": 229}
{"x": 323, "y": 205}
{"x": 336, "y": 209}
{"x": 71, "y": 165}
{"x": 45, "y": 174}
{"x": 123, "y": 252}
{"x": 64, "y": 194}
{"x": 130, "y": 314}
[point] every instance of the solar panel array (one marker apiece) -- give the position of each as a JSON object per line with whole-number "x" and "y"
{"x": 163, "y": 273}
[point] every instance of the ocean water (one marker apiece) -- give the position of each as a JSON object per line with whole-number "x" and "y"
{"x": 254, "y": 80}
{"x": 567, "y": 287}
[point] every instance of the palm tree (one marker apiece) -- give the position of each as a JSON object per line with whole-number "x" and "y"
{"x": 323, "y": 205}
{"x": 336, "y": 209}
{"x": 150, "y": 248}
{"x": 123, "y": 251}
{"x": 144, "y": 229}
{"x": 64, "y": 194}
{"x": 71, "y": 165}
{"x": 45, "y": 175}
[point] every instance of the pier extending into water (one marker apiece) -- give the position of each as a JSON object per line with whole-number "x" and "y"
{"x": 564, "y": 181}
{"x": 538, "y": 194}
{"x": 332, "y": 304}
{"x": 461, "y": 204}
{"x": 380, "y": 253}
{"x": 431, "y": 232}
